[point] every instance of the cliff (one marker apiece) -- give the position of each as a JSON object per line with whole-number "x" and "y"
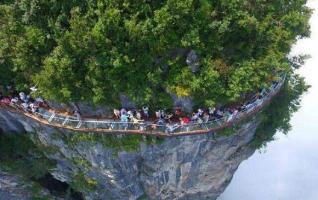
{"x": 191, "y": 167}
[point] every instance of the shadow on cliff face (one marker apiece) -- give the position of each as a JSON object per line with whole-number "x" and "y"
{"x": 20, "y": 156}
{"x": 58, "y": 188}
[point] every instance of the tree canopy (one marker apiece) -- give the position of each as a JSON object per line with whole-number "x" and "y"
{"x": 95, "y": 50}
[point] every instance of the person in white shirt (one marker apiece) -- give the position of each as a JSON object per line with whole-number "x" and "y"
{"x": 145, "y": 110}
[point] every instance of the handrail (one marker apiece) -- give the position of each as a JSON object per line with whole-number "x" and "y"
{"x": 148, "y": 128}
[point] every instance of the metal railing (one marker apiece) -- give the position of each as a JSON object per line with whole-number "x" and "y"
{"x": 149, "y": 128}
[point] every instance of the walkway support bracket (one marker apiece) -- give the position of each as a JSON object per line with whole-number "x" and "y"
{"x": 79, "y": 124}
{"x": 66, "y": 120}
{"x": 51, "y": 118}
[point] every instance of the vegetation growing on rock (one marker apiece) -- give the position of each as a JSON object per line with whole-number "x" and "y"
{"x": 122, "y": 143}
{"x": 95, "y": 50}
{"x": 277, "y": 116}
{"x": 19, "y": 155}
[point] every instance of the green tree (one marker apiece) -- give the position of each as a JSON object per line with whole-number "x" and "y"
{"x": 96, "y": 50}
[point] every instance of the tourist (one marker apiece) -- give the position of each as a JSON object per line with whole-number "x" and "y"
{"x": 123, "y": 111}
{"x": 171, "y": 128}
{"x": 178, "y": 112}
{"x": 117, "y": 113}
{"x": 219, "y": 114}
{"x": 263, "y": 92}
{"x": 25, "y": 106}
{"x": 22, "y": 96}
{"x": 249, "y": 106}
{"x": 162, "y": 114}
{"x": 232, "y": 115}
{"x": 211, "y": 110}
{"x": 242, "y": 107}
{"x": 258, "y": 101}
{"x": 27, "y": 99}
{"x": 160, "y": 121}
{"x": 194, "y": 117}
{"x": 135, "y": 120}
{"x": 130, "y": 114}
{"x": 200, "y": 112}
{"x": 138, "y": 115}
{"x": 168, "y": 117}
{"x": 77, "y": 115}
{"x": 33, "y": 107}
{"x": 124, "y": 118}
{"x": 181, "y": 121}
{"x": 145, "y": 111}
{"x": 41, "y": 102}
{"x": 14, "y": 101}
{"x": 158, "y": 114}
{"x": 206, "y": 117}
{"x": 5, "y": 100}
{"x": 184, "y": 120}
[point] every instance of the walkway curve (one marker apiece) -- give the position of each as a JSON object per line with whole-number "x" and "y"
{"x": 147, "y": 128}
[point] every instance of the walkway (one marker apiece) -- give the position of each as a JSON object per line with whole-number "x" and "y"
{"x": 50, "y": 118}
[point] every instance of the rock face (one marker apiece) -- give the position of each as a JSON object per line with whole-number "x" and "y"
{"x": 84, "y": 108}
{"x": 191, "y": 167}
{"x": 13, "y": 187}
{"x": 193, "y": 61}
{"x": 185, "y": 103}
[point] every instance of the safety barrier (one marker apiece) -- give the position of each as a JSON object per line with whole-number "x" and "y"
{"x": 148, "y": 128}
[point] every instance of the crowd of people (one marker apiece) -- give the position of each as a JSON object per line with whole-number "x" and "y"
{"x": 10, "y": 97}
{"x": 21, "y": 100}
{"x": 176, "y": 118}
{"x": 171, "y": 120}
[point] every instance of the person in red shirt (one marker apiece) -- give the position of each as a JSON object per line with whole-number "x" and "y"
{"x": 184, "y": 120}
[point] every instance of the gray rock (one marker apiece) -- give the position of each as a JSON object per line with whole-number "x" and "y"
{"x": 83, "y": 107}
{"x": 190, "y": 167}
{"x": 185, "y": 103}
{"x": 13, "y": 187}
{"x": 88, "y": 109}
{"x": 193, "y": 61}
{"x": 126, "y": 102}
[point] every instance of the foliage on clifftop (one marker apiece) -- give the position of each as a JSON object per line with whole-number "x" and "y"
{"x": 93, "y": 50}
